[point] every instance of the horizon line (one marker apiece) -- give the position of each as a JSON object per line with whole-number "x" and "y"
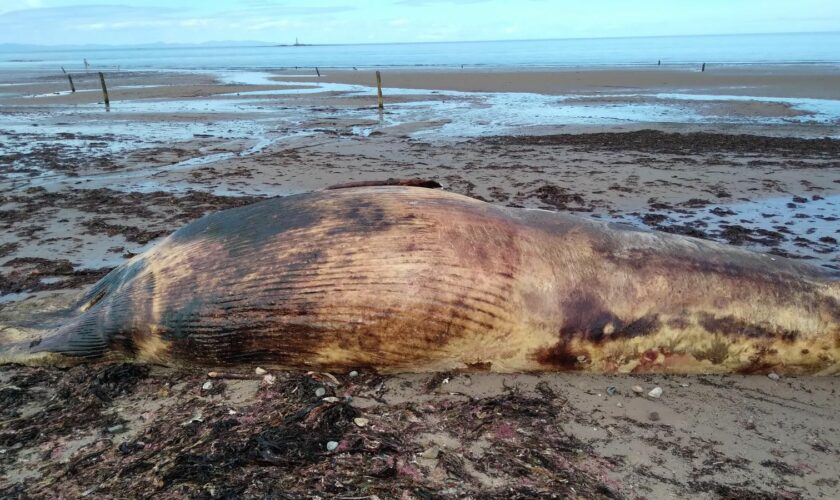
{"x": 258, "y": 43}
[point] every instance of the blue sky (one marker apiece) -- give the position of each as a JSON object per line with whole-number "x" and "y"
{"x": 53, "y": 22}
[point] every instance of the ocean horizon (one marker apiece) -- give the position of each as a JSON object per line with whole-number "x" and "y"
{"x": 752, "y": 49}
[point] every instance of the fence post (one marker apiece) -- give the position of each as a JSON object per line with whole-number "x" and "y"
{"x": 105, "y": 91}
{"x": 379, "y": 90}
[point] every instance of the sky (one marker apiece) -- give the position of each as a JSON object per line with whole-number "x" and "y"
{"x": 116, "y": 22}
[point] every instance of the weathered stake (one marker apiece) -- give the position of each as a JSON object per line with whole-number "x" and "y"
{"x": 72, "y": 87}
{"x": 703, "y": 68}
{"x": 318, "y": 72}
{"x": 379, "y": 90}
{"x": 104, "y": 91}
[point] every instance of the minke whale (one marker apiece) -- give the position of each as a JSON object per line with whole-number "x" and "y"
{"x": 400, "y": 278}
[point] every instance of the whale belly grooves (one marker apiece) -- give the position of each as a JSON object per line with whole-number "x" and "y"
{"x": 401, "y": 278}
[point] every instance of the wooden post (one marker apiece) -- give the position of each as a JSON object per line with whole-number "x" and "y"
{"x": 63, "y": 70}
{"x": 703, "y": 68}
{"x": 659, "y": 62}
{"x": 72, "y": 87}
{"x": 87, "y": 66}
{"x": 318, "y": 72}
{"x": 379, "y": 90}
{"x": 104, "y": 91}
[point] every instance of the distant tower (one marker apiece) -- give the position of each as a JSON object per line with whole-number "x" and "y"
{"x": 296, "y": 42}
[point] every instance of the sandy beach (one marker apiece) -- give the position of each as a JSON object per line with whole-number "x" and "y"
{"x": 748, "y": 156}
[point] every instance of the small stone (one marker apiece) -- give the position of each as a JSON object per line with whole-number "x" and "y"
{"x": 655, "y": 393}
{"x": 638, "y": 389}
{"x": 619, "y": 405}
{"x": 467, "y": 381}
{"x": 260, "y": 371}
{"x": 331, "y": 399}
{"x": 653, "y": 416}
{"x": 207, "y": 386}
{"x": 353, "y": 374}
{"x": 269, "y": 379}
{"x": 581, "y": 359}
{"x": 611, "y": 390}
{"x": 115, "y": 429}
{"x": 332, "y": 445}
{"x": 197, "y": 417}
{"x": 773, "y": 376}
{"x": 319, "y": 392}
{"x": 431, "y": 454}
{"x": 360, "y": 422}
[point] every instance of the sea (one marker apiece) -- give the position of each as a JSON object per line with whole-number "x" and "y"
{"x": 759, "y": 49}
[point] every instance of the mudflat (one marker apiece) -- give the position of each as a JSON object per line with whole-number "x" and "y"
{"x": 83, "y": 189}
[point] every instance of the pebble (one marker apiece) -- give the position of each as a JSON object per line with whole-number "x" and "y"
{"x": 360, "y": 422}
{"x": 611, "y": 390}
{"x": 207, "y": 386}
{"x": 773, "y": 376}
{"x": 319, "y": 392}
{"x": 332, "y": 445}
{"x": 331, "y": 399}
{"x": 638, "y": 389}
{"x": 260, "y": 371}
{"x": 269, "y": 379}
{"x": 619, "y": 405}
{"x": 655, "y": 393}
{"x": 353, "y": 374}
{"x": 653, "y": 416}
{"x": 431, "y": 454}
{"x": 581, "y": 359}
{"x": 116, "y": 429}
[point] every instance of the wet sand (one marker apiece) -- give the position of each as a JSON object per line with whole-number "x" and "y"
{"x": 82, "y": 190}
{"x": 820, "y": 82}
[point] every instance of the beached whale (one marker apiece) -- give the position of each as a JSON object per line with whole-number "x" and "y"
{"x": 400, "y": 278}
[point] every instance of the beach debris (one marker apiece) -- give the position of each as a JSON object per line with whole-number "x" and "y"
{"x": 197, "y": 417}
{"x": 638, "y": 389}
{"x": 331, "y": 399}
{"x": 431, "y": 454}
{"x": 116, "y": 429}
{"x": 360, "y": 421}
{"x": 611, "y": 390}
{"x": 437, "y": 380}
{"x": 619, "y": 405}
{"x": 324, "y": 378}
{"x": 269, "y": 379}
{"x": 773, "y": 376}
{"x": 231, "y": 376}
{"x": 332, "y": 445}
{"x": 207, "y": 386}
{"x": 320, "y": 392}
{"x": 653, "y": 416}
{"x": 655, "y": 393}
{"x": 353, "y": 374}
{"x": 260, "y": 371}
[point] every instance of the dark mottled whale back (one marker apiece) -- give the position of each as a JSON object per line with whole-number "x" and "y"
{"x": 399, "y": 278}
